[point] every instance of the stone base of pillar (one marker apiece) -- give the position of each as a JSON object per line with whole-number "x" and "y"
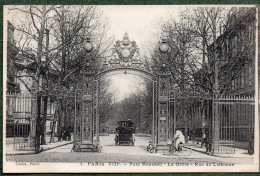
{"x": 162, "y": 147}
{"x": 88, "y": 146}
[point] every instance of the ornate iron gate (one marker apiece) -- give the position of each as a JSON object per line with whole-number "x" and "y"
{"x": 21, "y": 120}
{"x": 87, "y": 115}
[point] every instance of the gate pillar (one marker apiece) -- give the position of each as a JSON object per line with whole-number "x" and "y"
{"x": 86, "y": 118}
{"x": 85, "y": 123}
{"x": 163, "y": 102}
{"x": 163, "y": 109}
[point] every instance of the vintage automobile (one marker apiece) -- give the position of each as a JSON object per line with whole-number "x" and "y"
{"x": 125, "y": 133}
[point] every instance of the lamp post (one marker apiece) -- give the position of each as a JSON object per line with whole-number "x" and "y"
{"x": 88, "y": 47}
{"x": 79, "y": 136}
{"x": 163, "y": 97}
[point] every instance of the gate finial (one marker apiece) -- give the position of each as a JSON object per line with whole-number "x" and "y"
{"x": 126, "y": 38}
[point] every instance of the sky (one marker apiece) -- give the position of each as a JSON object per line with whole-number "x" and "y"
{"x": 124, "y": 85}
{"x": 141, "y": 23}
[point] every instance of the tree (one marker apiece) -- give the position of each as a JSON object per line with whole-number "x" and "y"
{"x": 54, "y": 35}
{"x": 75, "y": 24}
{"x": 194, "y": 70}
{"x": 137, "y": 107}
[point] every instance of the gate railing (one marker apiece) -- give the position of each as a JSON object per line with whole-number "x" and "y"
{"x": 236, "y": 122}
{"x": 21, "y": 124}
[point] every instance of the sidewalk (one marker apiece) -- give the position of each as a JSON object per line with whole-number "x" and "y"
{"x": 10, "y": 147}
{"x": 239, "y": 153}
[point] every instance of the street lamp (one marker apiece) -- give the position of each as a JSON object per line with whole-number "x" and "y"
{"x": 164, "y": 47}
{"x": 88, "y": 45}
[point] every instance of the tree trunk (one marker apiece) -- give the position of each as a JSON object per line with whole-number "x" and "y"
{"x": 53, "y": 127}
{"x": 38, "y": 124}
{"x": 43, "y": 131}
{"x": 59, "y": 127}
{"x": 37, "y": 78}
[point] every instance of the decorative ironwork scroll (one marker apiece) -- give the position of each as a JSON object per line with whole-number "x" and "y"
{"x": 155, "y": 112}
{"x": 163, "y": 120}
{"x": 164, "y": 86}
{"x": 95, "y": 110}
{"x": 162, "y": 133}
{"x": 87, "y": 86}
{"x": 86, "y": 117}
{"x": 125, "y": 54}
{"x": 77, "y": 125}
{"x": 163, "y": 103}
{"x": 86, "y": 121}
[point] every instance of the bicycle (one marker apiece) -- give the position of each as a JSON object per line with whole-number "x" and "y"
{"x": 180, "y": 150}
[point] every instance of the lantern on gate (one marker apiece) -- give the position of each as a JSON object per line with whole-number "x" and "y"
{"x": 88, "y": 45}
{"x": 164, "y": 47}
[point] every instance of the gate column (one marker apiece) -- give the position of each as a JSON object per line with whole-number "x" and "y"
{"x": 84, "y": 141}
{"x": 86, "y": 118}
{"x": 163, "y": 109}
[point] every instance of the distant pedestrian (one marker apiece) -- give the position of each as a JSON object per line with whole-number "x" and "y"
{"x": 251, "y": 144}
{"x": 64, "y": 137}
{"x": 69, "y": 136}
{"x": 192, "y": 134}
{"x": 208, "y": 144}
{"x": 203, "y": 137}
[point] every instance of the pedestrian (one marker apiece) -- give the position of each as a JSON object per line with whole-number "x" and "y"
{"x": 208, "y": 144}
{"x": 203, "y": 137}
{"x": 192, "y": 134}
{"x": 64, "y": 135}
{"x": 69, "y": 136}
{"x": 251, "y": 144}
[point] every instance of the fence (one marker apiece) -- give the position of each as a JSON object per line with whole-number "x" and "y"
{"x": 20, "y": 118}
{"x": 236, "y": 122}
{"x": 194, "y": 116}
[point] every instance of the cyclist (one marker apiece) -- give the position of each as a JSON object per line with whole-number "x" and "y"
{"x": 179, "y": 139}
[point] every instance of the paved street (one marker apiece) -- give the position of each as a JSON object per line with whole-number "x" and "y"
{"x": 121, "y": 154}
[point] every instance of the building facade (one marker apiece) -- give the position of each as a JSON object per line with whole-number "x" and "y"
{"x": 235, "y": 51}
{"x": 12, "y": 51}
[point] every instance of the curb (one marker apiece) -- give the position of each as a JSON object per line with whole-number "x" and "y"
{"x": 28, "y": 153}
{"x": 187, "y": 147}
{"x": 209, "y": 154}
{"x": 42, "y": 150}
